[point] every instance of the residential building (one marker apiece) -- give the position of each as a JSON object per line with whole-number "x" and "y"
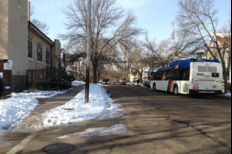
{"x": 200, "y": 54}
{"x": 23, "y": 43}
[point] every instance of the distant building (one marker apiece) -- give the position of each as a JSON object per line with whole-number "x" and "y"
{"x": 146, "y": 74}
{"x": 24, "y": 43}
{"x": 200, "y": 54}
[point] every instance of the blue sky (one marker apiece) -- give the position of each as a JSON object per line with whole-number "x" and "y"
{"x": 154, "y": 16}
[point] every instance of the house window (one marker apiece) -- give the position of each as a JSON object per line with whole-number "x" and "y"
{"x": 19, "y": 4}
{"x": 39, "y": 52}
{"x": 47, "y": 57}
{"x": 29, "y": 46}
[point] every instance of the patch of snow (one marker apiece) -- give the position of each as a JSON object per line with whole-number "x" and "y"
{"x": 77, "y": 83}
{"x": 68, "y": 69}
{"x": 104, "y": 131}
{"x": 225, "y": 95}
{"x": 76, "y": 110}
{"x": 223, "y": 34}
{"x": 13, "y": 110}
{"x": 38, "y": 94}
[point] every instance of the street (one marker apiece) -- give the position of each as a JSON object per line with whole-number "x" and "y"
{"x": 157, "y": 122}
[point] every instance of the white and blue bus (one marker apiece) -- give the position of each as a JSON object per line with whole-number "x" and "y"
{"x": 189, "y": 76}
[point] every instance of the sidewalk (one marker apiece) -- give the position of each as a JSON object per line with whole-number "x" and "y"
{"x": 34, "y": 121}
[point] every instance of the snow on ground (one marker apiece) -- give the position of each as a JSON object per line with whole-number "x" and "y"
{"x": 19, "y": 106}
{"x": 76, "y": 110}
{"x": 77, "y": 83}
{"x": 38, "y": 94}
{"x": 226, "y": 95}
{"x": 15, "y": 109}
{"x": 115, "y": 129}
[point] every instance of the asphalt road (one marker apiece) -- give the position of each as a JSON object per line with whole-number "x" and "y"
{"x": 157, "y": 122}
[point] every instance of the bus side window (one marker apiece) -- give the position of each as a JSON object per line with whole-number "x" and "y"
{"x": 187, "y": 74}
{"x": 176, "y": 74}
{"x": 184, "y": 74}
{"x": 152, "y": 76}
{"x": 158, "y": 75}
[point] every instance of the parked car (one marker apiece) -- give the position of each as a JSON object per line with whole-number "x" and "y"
{"x": 118, "y": 83}
{"x": 128, "y": 83}
{"x": 114, "y": 82}
{"x": 136, "y": 84}
{"x": 123, "y": 83}
{"x": 145, "y": 84}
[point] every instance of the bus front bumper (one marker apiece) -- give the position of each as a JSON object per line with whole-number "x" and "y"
{"x": 205, "y": 92}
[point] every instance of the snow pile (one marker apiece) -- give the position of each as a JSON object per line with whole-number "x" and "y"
{"x": 38, "y": 94}
{"x": 228, "y": 95}
{"x": 76, "y": 110}
{"x": 20, "y": 105}
{"x": 15, "y": 109}
{"x": 115, "y": 129}
{"x": 77, "y": 83}
{"x": 225, "y": 95}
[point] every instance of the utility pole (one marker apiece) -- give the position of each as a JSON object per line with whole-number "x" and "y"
{"x": 88, "y": 53}
{"x": 173, "y": 37}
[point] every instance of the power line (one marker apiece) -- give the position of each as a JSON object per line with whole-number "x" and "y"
{"x": 164, "y": 31}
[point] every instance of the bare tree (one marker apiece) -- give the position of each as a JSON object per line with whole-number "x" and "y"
{"x": 199, "y": 18}
{"x": 158, "y": 54}
{"x": 110, "y": 24}
{"x": 225, "y": 43}
{"x": 42, "y": 26}
{"x": 32, "y": 10}
{"x": 127, "y": 48}
{"x": 187, "y": 43}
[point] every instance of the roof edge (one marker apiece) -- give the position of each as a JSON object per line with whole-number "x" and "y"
{"x": 37, "y": 29}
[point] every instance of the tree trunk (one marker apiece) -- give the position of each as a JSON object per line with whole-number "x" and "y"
{"x": 225, "y": 77}
{"x": 94, "y": 74}
{"x": 141, "y": 76}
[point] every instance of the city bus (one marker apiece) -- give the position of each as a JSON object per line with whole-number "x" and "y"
{"x": 189, "y": 76}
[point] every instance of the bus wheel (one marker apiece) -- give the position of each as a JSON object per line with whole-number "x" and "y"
{"x": 175, "y": 90}
{"x": 154, "y": 87}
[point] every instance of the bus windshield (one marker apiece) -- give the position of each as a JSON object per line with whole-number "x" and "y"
{"x": 106, "y": 80}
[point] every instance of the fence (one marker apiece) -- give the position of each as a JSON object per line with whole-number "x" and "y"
{"x": 48, "y": 79}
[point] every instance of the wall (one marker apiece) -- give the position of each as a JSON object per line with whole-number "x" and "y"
{"x": 17, "y": 49}
{"x": 4, "y": 29}
{"x": 32, "y": 62}
{"x": 55, "y": 54}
